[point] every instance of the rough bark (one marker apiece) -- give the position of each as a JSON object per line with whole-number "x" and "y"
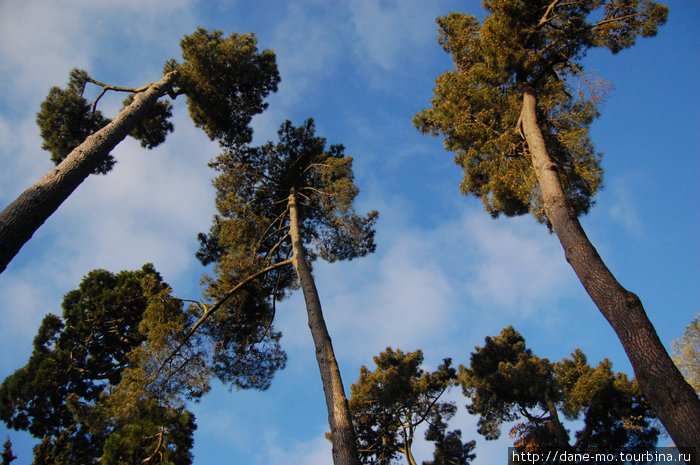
{"x": 339, "y": 418}
{"x": 21, "y": 218}
{"x": 672, "y": 398}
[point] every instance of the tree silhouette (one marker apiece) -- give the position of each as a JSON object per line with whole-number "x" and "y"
{"x": 63, "y": 395}
{"x": 390, "y": 403}
{"x": 7, "y": 455}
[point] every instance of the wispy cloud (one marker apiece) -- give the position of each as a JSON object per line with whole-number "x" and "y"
{"x": 623, "y": 209}
{"x": 388, "y": 34}
{"x": 519, "y": 264}
{"x": 316, "y": 451}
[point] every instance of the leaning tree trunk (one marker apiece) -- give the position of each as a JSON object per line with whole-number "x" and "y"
{"x": 20, "y": 219}
{"x": 339, "y": 418}
{"x": 675, "y": 402}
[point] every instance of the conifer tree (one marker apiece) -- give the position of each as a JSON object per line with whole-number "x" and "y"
{"x": 686, "y": 353}
{"x": 225, "y": 80}
{"x": 390, "y": 403}
{"x": 515, "y": 112}
{"x": 506, "y": 382}
{"x": 7, "y": 455}
{"x": 280, "y": 206}
{"x": 63, "y": 395}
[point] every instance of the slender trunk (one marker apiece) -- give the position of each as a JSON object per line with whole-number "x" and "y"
{"x": 407, "y": 443}
{"x": 20, "y": 219}
{"x": 339, "y": 418}
{"x": 675, "y": 402}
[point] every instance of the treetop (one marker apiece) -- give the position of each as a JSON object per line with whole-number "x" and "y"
{"x": 226, "y": 81}
{"x": 539, "y": 45}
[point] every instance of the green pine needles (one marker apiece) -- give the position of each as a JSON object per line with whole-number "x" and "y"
{"x": 538, "y": 45}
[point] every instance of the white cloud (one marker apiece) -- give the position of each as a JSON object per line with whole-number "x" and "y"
{"x": 316, "y": 451}
{"x": 148, "y": 209}
{"x": 24, "y": 305}
{"x": 38, "y": 44}
{"x": 390, "y": 34}
{"x": 465, "y": 277}
{"x": 622, "y": 209}
{"x": 519, "y": 264}
{"x": 403, "y": 303}
{"x": 305, "y": 49}
{"x": 387, "y": 32}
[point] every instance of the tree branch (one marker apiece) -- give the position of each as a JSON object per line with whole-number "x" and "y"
{"x": 106, "y": 87}
{"x": 215, "y": 307}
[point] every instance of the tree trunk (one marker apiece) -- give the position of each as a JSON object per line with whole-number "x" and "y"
{"x": 559, "y": 430}
{"x": 407, "y": 443}
{"x": 675, "y": 402}
{"x": 339, "y": 418}
{"x": 20, "y": 219}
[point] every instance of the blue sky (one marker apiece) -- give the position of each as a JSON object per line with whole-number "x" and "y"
{"x": 444, "y": 276}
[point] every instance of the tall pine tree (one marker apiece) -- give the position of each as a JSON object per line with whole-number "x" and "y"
{"x": 511, "y": 111}
{"x": 280, "y": 206}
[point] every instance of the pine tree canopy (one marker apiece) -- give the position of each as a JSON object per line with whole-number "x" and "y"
{"x": 540, "y": 45}
{"x": 507, "y": 383}
{"x": 7, "y": 455}
{"x": 251, "y": 230}
{"x": 66, "y": 119}
{"x": 686, "y": 353}
{"x": 391, "y": 402}
{"x": 225, "y": 79}
{"x": 62, "y": 395}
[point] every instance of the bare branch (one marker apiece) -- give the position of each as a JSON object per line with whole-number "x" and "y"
{"x": 106, "y": 87}
{"x": 215, "y": 307}
{"x": 545, "y": 18}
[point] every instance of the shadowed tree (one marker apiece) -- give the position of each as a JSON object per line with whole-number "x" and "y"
{"x": 103, "y": 384}
{"x": 280, "y": 206}
{"x": 225, "y": 81}
{"x": 7, "y": 455}
{"x": 76, "y": 362}
{"x": 390, "y": 403}
{"x": 449, "y": 448}
{"x": 515, "y": 111}
{"x": 506, "y": 382}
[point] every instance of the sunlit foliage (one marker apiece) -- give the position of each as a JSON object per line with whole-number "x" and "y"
{"x": 251, "y": 230}
{"x": 686, "y": 353}
{"x": 63, "y": 395}
{"x": 225, "y": 79}
{"x": 539, "y": 44}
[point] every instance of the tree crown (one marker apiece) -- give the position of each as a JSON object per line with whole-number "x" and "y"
{"x": 539, "y": 45}
{"x": 62, "y": 394}
{"x": 506, "y": 382}
{"x": 225, "y": 79}
{"x": 391, "y": 402}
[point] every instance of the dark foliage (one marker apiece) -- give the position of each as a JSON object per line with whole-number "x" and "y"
{"x": 66, "y": 119}
{"x": 506, "y": 383}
